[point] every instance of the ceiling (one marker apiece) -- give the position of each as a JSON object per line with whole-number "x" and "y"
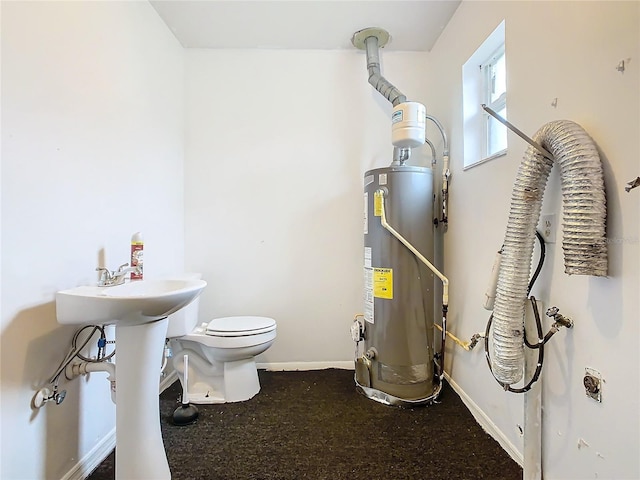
{"x": 303, "y": 24}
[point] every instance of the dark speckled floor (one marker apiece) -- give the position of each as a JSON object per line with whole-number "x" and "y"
{"x": 314, "y": 425}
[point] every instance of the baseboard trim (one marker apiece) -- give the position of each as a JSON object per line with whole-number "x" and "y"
{"x": 93, "y": 459}
{"x": 486, "y": 423}
{"x": 168, "y": 380}
{"x": 293, "y": 366}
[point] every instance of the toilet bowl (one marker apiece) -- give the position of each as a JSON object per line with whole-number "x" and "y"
{"x": 221, "y": 354}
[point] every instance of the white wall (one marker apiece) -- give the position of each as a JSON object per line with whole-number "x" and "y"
{"x": 92, "y": 151}
{"x": 568, "y": 51}
{"x": 277, "y": 143}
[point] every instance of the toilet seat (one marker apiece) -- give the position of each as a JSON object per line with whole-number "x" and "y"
{"x": 239, "y": 326}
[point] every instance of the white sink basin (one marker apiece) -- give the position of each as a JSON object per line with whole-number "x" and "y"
{"x": 130, "y": 303}
{"x": 138, "y": 310}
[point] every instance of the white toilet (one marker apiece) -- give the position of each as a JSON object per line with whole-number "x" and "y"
{"x": 221, "y": 354}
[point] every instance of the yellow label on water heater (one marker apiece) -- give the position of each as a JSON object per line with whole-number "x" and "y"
{"x": 383, "y": 283}
{"x": 377, "y": 203}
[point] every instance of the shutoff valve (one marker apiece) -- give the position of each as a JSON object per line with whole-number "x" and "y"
{"x": 560, "y": 319}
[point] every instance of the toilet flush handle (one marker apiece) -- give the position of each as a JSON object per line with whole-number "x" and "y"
{"x": 201, "y": 329}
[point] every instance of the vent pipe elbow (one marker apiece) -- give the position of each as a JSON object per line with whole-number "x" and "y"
{"x": 584, "y": 236}
{"x": 377, "y": 81}
{"x": 371, "y": 40}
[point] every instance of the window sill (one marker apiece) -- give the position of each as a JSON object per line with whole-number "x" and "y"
{"x": 501, "y": 153}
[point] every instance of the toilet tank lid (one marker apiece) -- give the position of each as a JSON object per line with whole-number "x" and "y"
{"x": 247, "y": 325}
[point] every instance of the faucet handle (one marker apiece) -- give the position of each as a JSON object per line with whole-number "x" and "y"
{"x": 105, "y": 274}
{"x": 121, "y": 267}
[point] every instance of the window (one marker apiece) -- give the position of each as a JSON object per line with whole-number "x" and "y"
{"x": 495, "y": 97}
{"x": 485, "y": 82}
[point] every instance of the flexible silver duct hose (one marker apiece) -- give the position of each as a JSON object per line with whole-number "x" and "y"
{"x": 376, "y": 79}
{"x": 584, "y": 242}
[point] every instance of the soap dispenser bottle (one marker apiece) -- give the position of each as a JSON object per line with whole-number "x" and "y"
{"x": 137, "y": 251}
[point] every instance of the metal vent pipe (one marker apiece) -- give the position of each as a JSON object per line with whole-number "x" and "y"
{"x": 381, "y": 84}
{"x": 584, "y": 242}
{"x": 371, "y": 40}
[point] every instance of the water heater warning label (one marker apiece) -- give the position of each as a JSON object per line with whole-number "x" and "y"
{"x": 377, "y": 204}
{"x": 368, "y": 287}
{"x": 383, "y": 283}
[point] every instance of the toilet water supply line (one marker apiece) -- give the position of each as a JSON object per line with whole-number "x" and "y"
{"x": 584, "y": 242}
{"x": 380, "y": 197}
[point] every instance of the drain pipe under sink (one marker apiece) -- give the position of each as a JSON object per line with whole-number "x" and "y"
{"x": 76, "y": 369}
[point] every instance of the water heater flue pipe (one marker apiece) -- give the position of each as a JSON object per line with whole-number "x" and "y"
{"x": 381, "y": 84}
{"x": 370, "y": 40}
{"x": 584, "y": 242}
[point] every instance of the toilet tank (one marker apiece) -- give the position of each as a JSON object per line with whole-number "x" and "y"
{"x": 184, "y": 320}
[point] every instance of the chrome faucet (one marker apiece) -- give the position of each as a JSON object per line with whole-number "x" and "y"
{"x": 115, "y": 277}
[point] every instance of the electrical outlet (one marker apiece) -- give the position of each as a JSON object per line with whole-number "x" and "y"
{"x": 548, "y": 228}
{"x": 593, "y": 384}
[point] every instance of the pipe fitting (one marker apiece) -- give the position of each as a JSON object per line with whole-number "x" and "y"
{"x": 45, "y": 395}
{"x": 76, "y": 369}
{"x": 400, "y": 155}
{"x": 377, "y": 81}
{"x": 559, "y": 319}
{"x": 370, "y": 40}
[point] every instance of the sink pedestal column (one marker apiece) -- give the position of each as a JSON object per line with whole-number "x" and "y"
{"x": 140, "y": 453}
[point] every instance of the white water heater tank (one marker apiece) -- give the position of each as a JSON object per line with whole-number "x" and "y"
{"x": 408, "y": 123}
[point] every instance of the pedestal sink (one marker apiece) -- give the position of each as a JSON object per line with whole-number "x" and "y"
{"x": 139, "y": 311}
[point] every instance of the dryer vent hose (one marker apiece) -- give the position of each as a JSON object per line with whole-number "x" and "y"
{"x": 584, "y": 241}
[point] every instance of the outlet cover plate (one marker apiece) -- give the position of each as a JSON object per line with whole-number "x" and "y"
{"x": 548, "y": 227}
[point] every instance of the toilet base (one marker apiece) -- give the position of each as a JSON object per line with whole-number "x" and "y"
{"x": 239, "y": 383}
